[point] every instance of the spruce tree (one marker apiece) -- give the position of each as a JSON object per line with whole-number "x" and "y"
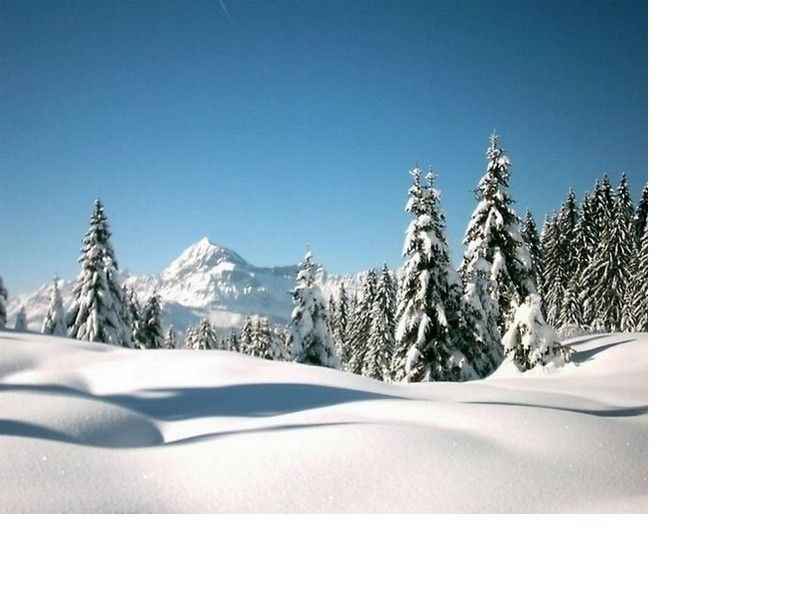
{"x": 428, "y": 296}
{"x": 233, "y": 341}
{"x": 360, "y": 322}
{"x": 494, "y": 233}
{"x": 202, "y": 337}
{"x": 562, "y": 262}
{"x": 54, "y": 323}
{"x": 151, "y": 333}
{"x": 530, "y": 341}
{"x": 641, "y": 216}
{"x": 171, "y": 342}
{"x": 635, "y": 313}
{"x": 554, "y": 284}
{"x": 247, "y": 337}
{"x": 340, "y": 323}
{"x": 98, "y": 296}
{"x": 3, "y": 299}
{"x": 479, "y": 334}
{"x": 312, "y": 342}
{"x": 134, "y": 316}
{"x": 596, "y": 216}
{"x": 608, "y": 274}
{"x": 380, "y": 343}
{"x": 189, "y": 338}
{"x": 530, "y": 235}
{"x": 21, "y": 323}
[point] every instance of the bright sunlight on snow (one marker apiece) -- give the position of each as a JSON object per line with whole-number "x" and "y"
{"x": 94, "y": 428}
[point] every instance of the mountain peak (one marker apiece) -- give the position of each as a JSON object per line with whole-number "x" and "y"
{"x": 204, "y": 254}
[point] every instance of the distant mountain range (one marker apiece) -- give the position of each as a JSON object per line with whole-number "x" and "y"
{"x": 206, "y": 280}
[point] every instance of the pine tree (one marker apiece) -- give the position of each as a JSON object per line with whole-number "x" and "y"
{"x": 189, "y": 338}
{"x": 554, "y": 285}
{"x": 98, "y": 296}
{"x": 247, "y": 337}
{"x": 596, "y": 217}
{"x": 635, "y": 313}
{"x": 21, "y": 323}
{"x": 54, "y": 323}
{"x": 3, "y": 299}
{"x": 151, "y": 334}
{"x": 561, "y": 262}
{"x": 202, "y": 337}
{"x": 133, "y": 315}
{"x": 530, "y": 341}
{"x": 641, "y": 216}
{"x": 428, "y": 296}
{"x": 479, "y": 334}
{"x": 340, "y": 323}
{"x": 530, "y": 236}
{"x": 171, "y": 342}
{"x": 608, "y": 274}
{"x": 233, "y": 342}
{"x": 265, "y": 340}
{"x": 380, "y": 343}
{"x": 494, "y": 233}
{"x": 360, "y": 322}
{"x": 312, "y": 342}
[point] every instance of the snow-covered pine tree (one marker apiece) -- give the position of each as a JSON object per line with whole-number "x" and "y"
{"x": 54, "y": 323}
{"x": 360, "y": 323}
{"x": 189, "y": 338}
{"x": 608, "y": 274}
{"x": 203, "y": 336}
{"x": 641, "y": 216}
{"x": 151, "y": 333}
{"x": 233, "y": 341}
{"x": 247, "y": 337}
{"x": 3, "y": 299}
{"x": 340, "y": 323}
{"x": 380, "y": 343}
{"x": 428, "y": 296}
{"x": 21, "y": 323}
{"x": 530, "y": 235}
{"x": 494, "y": 232}
{"x": 562, "y": 263}
{"x": 133, "y": 316}
{"x": 553, "y": 288}
{"x": 635, "y": 313}
{"x": 530, "y": 341}
{"x": 312, "y": 342}
{"x": 171, "y": 342}
{"x": 596, "y": 214}
{"x": 98, "y": 297}
{"x": 264, "y": 342}
{"x": 479, "y": 334}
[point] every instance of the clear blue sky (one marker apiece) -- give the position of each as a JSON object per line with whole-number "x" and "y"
{"x": 283, "y": 123}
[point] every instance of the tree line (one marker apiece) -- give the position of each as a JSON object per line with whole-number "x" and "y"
{"x": 514, "y": 291}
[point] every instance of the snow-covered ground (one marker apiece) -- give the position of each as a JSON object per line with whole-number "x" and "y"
{"x": 92, "y": 428}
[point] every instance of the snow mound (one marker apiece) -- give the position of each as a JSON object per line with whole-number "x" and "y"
{"x": 93, "y": 428}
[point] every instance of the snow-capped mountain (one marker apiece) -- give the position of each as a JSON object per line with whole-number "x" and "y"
{"x": 206, "y": 280}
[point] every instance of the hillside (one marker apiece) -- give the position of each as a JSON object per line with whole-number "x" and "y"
{"x": 87, "y": 427}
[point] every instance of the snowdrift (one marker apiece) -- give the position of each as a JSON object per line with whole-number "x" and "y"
{"x": 92, "y": 428}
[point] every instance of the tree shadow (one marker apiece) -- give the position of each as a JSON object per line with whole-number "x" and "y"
{"x": 583, "y": 356}
{"x": 245, "y": 400}
{"x": 632, "y": 411}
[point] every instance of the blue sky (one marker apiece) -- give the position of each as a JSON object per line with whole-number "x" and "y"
{"x": 296, "y": 122}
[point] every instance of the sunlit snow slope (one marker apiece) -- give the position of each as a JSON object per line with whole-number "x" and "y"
{"x": 88, "y": 427}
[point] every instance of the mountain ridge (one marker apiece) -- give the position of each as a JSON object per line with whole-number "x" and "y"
{"x": 205, "y": 280}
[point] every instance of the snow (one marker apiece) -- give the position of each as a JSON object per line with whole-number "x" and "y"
{"x": 206, "y": 280}
{"x": 88, "y": 427}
